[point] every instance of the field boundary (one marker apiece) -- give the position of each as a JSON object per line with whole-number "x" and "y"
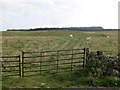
{"x": 35, "y": 63}
{"x": 7, "y": 65}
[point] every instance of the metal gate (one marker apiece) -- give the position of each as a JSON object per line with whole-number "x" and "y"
{"x": 57, "y": 61}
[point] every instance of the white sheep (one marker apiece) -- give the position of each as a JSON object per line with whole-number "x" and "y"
{"x": 71, "y": 35}
{"x": 108, "y": 36}
{"x": 88, "y": 39}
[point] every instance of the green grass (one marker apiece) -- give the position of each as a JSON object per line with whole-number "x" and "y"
{"x": 15, "y": 42}
{"x": 71, "y": 79}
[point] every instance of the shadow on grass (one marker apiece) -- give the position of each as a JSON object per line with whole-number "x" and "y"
{"x": 81, "y": 79}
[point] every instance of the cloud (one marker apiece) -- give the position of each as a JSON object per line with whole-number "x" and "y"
{"x": 45, "y": 13}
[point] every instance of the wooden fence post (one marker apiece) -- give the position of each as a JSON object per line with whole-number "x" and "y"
{"x": 22, "y": 66}
{"x": 72, "y": 60}
{"x": 19, "y": 65}
{"x": 86, "y": 52}
{"x": 57, "y": 59}
{"x": 41, "y": 64}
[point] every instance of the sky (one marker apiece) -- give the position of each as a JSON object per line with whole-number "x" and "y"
{"x": 25, "y": 14}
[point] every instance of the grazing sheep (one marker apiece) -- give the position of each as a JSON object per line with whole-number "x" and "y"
{"x": 108, "y": 36}
{"x": 88, "y": 39}
{"x": 71, "y": 35}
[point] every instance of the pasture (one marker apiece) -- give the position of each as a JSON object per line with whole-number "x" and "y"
{"x": 13, "y": 43}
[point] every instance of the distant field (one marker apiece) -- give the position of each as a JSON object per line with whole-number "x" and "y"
{"x": 15, "y": 42}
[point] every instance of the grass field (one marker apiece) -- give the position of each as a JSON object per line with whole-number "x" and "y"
{"x": 15, "y": 42}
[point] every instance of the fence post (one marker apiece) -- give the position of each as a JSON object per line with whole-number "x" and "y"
{"x": 22, "y": 66}
{"x": 71, "y": 60}
{"x": 86, "y": 52}
{"x": 40, "y": 63}
{"x": 57, "y": 59}
{"x": 19, "y": 65}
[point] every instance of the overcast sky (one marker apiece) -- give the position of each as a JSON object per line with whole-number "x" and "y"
{"x": 58, "y": 13}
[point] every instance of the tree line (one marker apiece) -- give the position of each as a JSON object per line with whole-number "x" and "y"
{"x": 66, "y": 28}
